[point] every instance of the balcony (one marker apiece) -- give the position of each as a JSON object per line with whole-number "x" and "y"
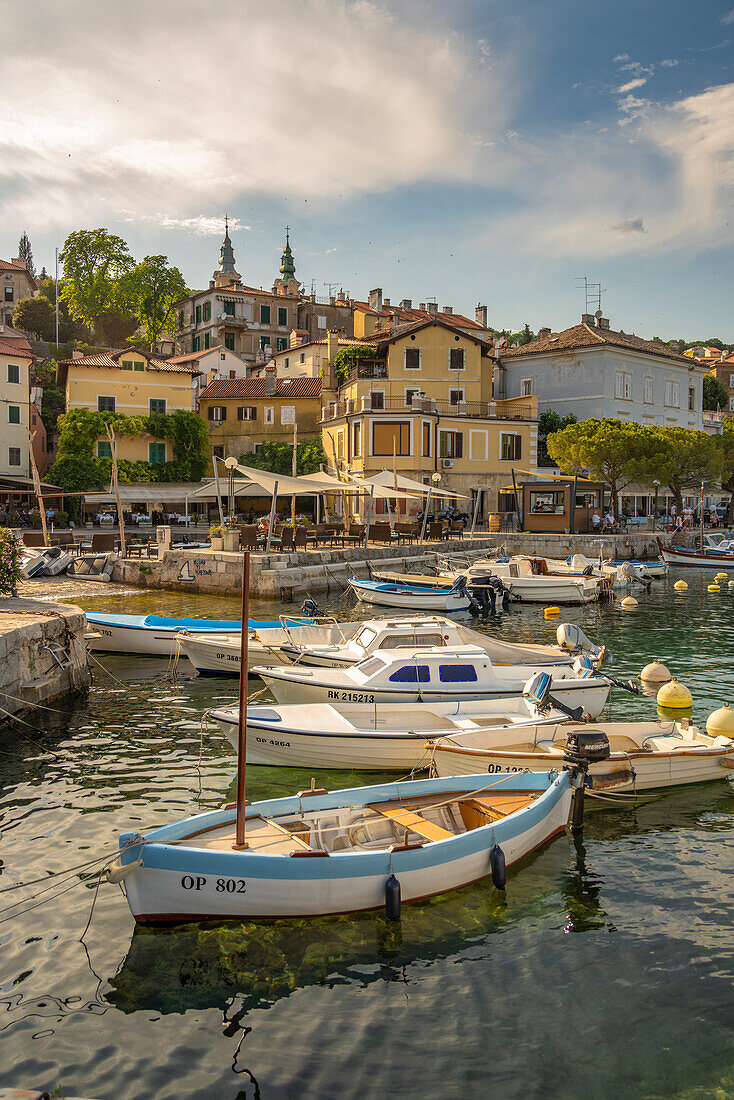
{"x": 426, "y": 406}
{"x": 368, "y": 369}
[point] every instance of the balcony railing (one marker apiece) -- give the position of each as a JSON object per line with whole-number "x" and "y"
{"x": 364, "y": 369}
{"x": 424, "y": 405}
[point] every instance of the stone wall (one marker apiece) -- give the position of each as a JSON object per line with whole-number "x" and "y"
{"x": 42, "y": 652}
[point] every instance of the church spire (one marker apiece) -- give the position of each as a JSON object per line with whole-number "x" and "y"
{"x": 226, "y": 252}
{"x": 287, "y": 266}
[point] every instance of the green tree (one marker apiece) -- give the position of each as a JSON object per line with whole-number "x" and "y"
{"x": 726, "y": 445}
{"x": 53, "y": 404}
{"x": 68, "y": 329}
{"x": 345, "y": 359}
{"x": 683, "y": 459}
{"x": 549, "y": 422}
{"x": 76, "y": 473}
{"x": 150, "y": 291}
{"x": 526, "y": 336}
{"x": 36, "y": 317}
{"x": 612, "y": 451}
{"x": 95, "y": 262}
{"x": 715, "y": 393}
{"x": 278, "y": 457}
{"x": 25, "y": 253}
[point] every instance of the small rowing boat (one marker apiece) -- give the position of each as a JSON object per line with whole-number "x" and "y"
{"x": 417, "y": 597}
{"x": 151, "y": 635}
{"x": 706, "y": 559}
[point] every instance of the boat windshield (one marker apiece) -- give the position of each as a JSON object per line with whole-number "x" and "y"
{"x": 370, "y": 666}
{"x": 404, "y": 641}
{"x": 365, "y": 637}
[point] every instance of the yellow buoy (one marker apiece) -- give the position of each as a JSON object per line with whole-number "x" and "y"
{"x": 721, "y": 577}
{"x": 713, "y": 588}
{"x": 655, "y": 673}
{"x": 680, "y": 586}
{"x": 551, "y": 612}
{"x": 731, "y": 584}
{"x": 628, "y": 603}
{"x": 674, "y": 695}
{"x": 720, "y": 723}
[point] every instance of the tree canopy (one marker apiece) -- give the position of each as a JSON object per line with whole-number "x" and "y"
{"x": 35, "y": 316}
{"x": 25, "y": 253}
{"x": 683, "y": 459}
{"x": 278, "y": 457}
{"x": 94, "y": 263}
{"x": 612, "y": 451}
{"x": 715, "y": 393}
{"x": 150, "y": 290}
{"x": 345, "y": 357}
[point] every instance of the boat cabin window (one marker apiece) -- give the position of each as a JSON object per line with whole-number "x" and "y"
{"x": 403, "y": 641}
{"x": 547, "y": 500}
{"x": 457, "y": 674}
{"x": 370, "y": 666}
{"x": 366, "y": 636}
{"x": 411, "y": 674}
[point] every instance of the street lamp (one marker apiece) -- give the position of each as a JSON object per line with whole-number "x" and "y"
{"x": 231, "y": 464}
{"x": 656, "y": 483}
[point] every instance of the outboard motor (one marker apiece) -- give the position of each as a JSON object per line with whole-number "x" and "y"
{"x": 537, "y": 691}
{"x": 309, "y": 606}
{"x": 572, "y": 638}
{"x": 583, "y": 747}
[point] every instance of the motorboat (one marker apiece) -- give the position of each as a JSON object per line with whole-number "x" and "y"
{"x": 387, "y": 736}
{"x": 153, "y": 635}
{"x": 424, "y": 675}
{"x": 218, "y": 654}
{"x": 643, "y": 755}
{"x": 416, "y": 597}
{"x": 529, "y": 579}
{"x": 705, "y": 559}
{"x": 413, "y": 840}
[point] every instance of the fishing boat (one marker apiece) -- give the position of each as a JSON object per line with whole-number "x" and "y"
{"x": 389, "y": 736}
{"x": 643, "y": 755}
{"x": 152, "y": 635}
{"x": 417, "y": 597}
{"x": 320, "y": 852}
{"x": 219, "y": 654}
{"x": 458, "y": 672}
{"x": 702, "y": 559}
{"x": 529, "y": 579}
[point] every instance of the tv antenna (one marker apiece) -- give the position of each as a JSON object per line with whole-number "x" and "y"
{"x": 330, "y": 285}
{"x": 592, "y": 295}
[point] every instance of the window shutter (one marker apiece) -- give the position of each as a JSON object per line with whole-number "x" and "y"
{"x": 458, "y": 445}
{"x": 210, "y": 412}
{"x": 253, "y": 412}
{"x": 223, "y": 411}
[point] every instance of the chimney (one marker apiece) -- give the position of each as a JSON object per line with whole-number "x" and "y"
{"x": 422, "y": 307}
{"x": 603, "y": 323}
{"x": 77, "y": 353}
{"x": 433, "y": 308}
{"x": 448, "y": 310}
{"x": 588, "y": 319}
{"x": 332, "y": 300}
{"x": 386, "y": 302}
{"x": 332, "y": 344}
{"x": 407, "y": 304}
{"x": 480, "y": 316}
{"x": 544, "y": 333}
{"x": 270, "y": 380}
{"x": 375, "y": 299}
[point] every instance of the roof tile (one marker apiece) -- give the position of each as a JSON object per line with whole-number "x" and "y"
{"x": 255, "y": 387}
{"x": 586, "y": 336}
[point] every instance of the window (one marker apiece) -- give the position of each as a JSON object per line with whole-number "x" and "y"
{"x": 547, "y": 501}
{"x": 395, "y": 435}
{"x": 229, "y": 341}
{"x": 198, "y": 315}
{"x": 510, "y": 447}
{"x": 247, "y": 412}
{"x": 340, "y": 445}
{"x": 357, "y": 439}
{"x": 731, "y": 404}
{"x": 207, "y": 311}
{"x": 456, "y": 397}
{"x": 691, "y": 398}
{"x": 217, "y": 413}
{"x": 156, "y": 453}
{"x": 288, "y": 414}
{"x": 287, "y": 362}
{"x": 672, "y": 394}
{"x": 321, "y": 320}
{"x": 228, "y": 309}
{"x": 456, "y": 358}
{"x": 13, "y": 456}
{"x": 157, "y": 406}
{"x": 232, "y": 373}
{"x": 676, "y": 395}
{"x": 264, "y": 342}
{"x": 648, "y": 391}
{"x": 731, "y": 381}
{"x": 410, "y": 394}
{"x": 105, "y": 404}
{"x": 450, "y": 445}
{"x": 13, "y": 373}
{"x": 412, "y": 359}
{"x": 378, "y": 399}
{"x": 195, "y": 343}
{"x": 623, "y": 386}
{"x": 180, "y": 319}
{"x": 33, "y": 418}
{"x": 104, "y": 449}
{"x": 526, "y": 387}
{"x": 218, "y": 452}
{"x": 139, "y": 366}
{"x": 426, "y": 440}
{"x": 370, "y": 666}
{"x": 409, "y": 641}
{"x": 269, "y": 414}
{"x": 281, "y": 343}
{"x": 8, "y": 293}
{"x": 13, "y": 414}
{"x": 264, "y": 315}
{"x": 282, "y": 315}
{"x": 207, "y": 341}
{"x": 411, "y": 674}
{"x": 303, "y": 357}
{"x": 457, "y": 674}
{"x": 127, "y": 364}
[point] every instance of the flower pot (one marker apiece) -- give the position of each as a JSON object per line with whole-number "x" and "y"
{"x": 231, "y": 540}
{"x": 217, "y": 544}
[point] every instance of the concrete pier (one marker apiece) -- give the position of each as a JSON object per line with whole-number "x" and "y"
{"x": 294, "y": 575}
{"x": 42, "y": 653}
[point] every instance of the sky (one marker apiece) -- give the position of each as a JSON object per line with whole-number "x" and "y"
{"x": 478, "y": 151}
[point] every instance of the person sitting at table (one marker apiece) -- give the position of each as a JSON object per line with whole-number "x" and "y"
{"x": 596, "y": 521}
{"x": 609, "y": 520}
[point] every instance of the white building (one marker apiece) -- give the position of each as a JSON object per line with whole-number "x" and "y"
{"x": 593, "y": 372}
{"x": 16, "y": 359}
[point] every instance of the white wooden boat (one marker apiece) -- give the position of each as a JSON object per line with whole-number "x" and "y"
{"x": 152, "y": 635}
{"x": 411, "y": 596}
{"x": 460, "y": 672}
{"x": 523, "y": 577}
{"x": 643, "y": 755}
{"x": 43, "y": 561}
{"x": 709, "y": 559}
{"x": 389, "y": 736}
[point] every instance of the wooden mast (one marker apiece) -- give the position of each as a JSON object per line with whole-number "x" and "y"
{"x": 702, "y": 517}
{"x": 240, "y": 841}
{"x": 37, "y": 487}
{"x": 294, "y": 467}
{"x": 120, "y": 517}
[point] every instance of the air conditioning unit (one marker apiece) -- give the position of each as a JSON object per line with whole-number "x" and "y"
{"x": 447, "y": 463}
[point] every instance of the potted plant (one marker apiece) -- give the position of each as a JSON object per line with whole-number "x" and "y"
{"x": 216, "y": 534}
{"x": 231, "y": 534}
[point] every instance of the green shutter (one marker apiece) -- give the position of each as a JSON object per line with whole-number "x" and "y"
{"x": 198, "y": 315}
{"x": 104, "y": 450}
{"x": 229, "y": 340}
{"x": 206, "y": 341}
{"x": 13, "y": 414}
{"x": 282, "y": 315}
{"x": 264, "y": 315}
{"x": 156, "y": 453}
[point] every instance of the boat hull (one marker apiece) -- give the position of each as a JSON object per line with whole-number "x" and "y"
{"x": 212, "y": 656}
{"x": 707, "y": 560}
{"x": 148, "y": 636}
{"x": 180, "y": 883}
{"x": 393, "y": 596}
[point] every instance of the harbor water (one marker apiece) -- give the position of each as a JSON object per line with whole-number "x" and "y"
{"x": 606, "y": 969}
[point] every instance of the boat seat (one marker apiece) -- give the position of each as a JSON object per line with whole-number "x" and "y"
{"x": 413, "y": 821}
{"x": 261, "y": 834}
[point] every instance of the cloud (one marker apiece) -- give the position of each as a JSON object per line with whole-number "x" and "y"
{"x": 669, "y": 63}
{"x": 137, "y": 117}
{"x": 630, "y": 225}
{"x": 631, "y": 85}
{"x": 728, "y": 18}
{"x": 200, "y": 225}
{"x": 328, "y": 250}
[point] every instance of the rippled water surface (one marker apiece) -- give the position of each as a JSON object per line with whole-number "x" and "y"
{"x": 606, "y": 970}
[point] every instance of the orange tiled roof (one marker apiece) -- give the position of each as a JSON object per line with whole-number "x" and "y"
{"x": 112, "y": 359}
{"x": 587, "y": 336}
{"x": 388, "y": 335}
{"x": 247, "y": 388}
{"x": 191, "y": 356}
{"x": 20, "y": 348}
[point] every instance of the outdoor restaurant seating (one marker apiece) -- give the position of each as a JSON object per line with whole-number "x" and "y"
{"x": 248, "y": 536}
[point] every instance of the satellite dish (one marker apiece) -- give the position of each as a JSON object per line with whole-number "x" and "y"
{"x": 598, "y": 314}
{"x": 436, "y": 478}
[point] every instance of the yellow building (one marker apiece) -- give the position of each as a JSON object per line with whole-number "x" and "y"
{"x": 242, "y": 413}
{"x": 380, "y": 313}
{"x": 133, "y": 383}
{"x": 423, "y": 393}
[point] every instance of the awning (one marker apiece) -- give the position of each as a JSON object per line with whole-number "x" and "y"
{"x": 208, "y": 489}
{"x": 388, "y": 479}
{"x": 314, "y": 484}
{"x": 157, "y": 492}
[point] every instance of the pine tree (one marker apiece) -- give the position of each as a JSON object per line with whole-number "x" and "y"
{"x": 25, "y": 253}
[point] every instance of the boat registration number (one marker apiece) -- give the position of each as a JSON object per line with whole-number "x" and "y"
{"x": 503, "y": 768}
{"x": 221, "y": 885}
{"x": 229, "y": 657}
{"x": 269, "y": 741}
{"x": 351, "y": 696}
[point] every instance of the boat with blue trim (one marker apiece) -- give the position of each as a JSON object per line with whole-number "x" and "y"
{"x": 415, "y": 596}
{"x": 153, "y": 635}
